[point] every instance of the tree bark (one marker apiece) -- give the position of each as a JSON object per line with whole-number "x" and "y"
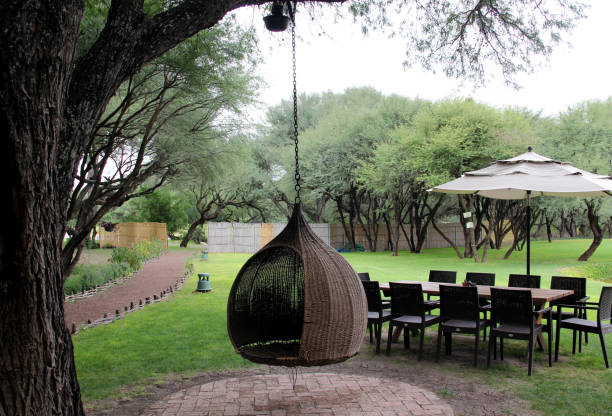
{"x": 448, "y": 240}
{"x": 190, "y": 232}
{"x": 592, "y": 208}
{"x": 37, "y": 47}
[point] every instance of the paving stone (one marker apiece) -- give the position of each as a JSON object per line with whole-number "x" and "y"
{"x": 314, "y": 394}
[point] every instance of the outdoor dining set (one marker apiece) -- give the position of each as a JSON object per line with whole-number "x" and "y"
{"x": 518, "y": 311}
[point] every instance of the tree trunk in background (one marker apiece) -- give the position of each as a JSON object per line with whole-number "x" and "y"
{"x": 491, "y": 217}
{"x": 448, "y": 240}
{"x": 190, "y": 232}
{"x": 592, "y": 209}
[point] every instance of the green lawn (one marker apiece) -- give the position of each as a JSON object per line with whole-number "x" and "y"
{"x": 188, "y": 334}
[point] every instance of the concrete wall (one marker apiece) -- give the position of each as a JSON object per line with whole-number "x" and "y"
{"x": 225, "y": 237}
{"x": 433, "y": 240}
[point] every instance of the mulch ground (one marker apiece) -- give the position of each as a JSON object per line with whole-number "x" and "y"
{"x": 154, "y": 277}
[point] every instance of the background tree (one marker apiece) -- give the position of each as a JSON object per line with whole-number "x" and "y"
{"x": 583, "y": 136}
{"x": 164, "y": 116}
{"x": 50, "y": 104}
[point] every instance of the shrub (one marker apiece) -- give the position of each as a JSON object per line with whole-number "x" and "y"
{"x": 84, "y": 277}
{"x": 126, "y": 255}
{"x": 137, "y": 254}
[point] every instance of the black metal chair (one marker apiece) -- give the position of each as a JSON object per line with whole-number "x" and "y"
{"x": 599, "y": 327}
{"x": 524, "y": 280}
{"x": 578, "y": 285}
{"x": 512, "y": 316}
{"x": 376, "y": 313}
{"x": 364, "y": 277}
{"x": 442, "y": 276}
{"x": 459, "y": 312}
{"x": 483, "y": 279}
{"x": 408, "y": 312}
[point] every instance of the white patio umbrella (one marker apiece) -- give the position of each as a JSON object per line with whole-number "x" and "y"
{"x": 528, "y": 175}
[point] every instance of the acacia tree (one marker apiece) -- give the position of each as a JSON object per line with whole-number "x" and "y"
{"x": 583, "y": 135}
{"x": 50, "y": 103}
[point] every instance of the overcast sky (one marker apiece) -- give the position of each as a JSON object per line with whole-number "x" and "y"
{"x": 345, "y": 58}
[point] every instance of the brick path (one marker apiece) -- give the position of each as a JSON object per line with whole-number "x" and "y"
{"x": 154, "y": 277}
{"x": 314, "y": 394}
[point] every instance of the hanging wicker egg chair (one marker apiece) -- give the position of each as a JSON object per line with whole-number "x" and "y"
{"x": 297, "y": 302}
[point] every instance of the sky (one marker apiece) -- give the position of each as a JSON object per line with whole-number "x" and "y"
{"x": 344, "y": 58}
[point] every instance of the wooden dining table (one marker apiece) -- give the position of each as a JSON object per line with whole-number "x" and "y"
{"x": 540, "y": 296}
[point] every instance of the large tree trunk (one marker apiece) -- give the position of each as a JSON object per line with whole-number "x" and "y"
{"x": 37, "y": 45}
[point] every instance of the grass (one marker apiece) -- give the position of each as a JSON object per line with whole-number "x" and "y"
{"x": 188, "y": 334}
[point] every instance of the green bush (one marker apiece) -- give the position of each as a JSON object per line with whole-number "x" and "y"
{"x": 123, "y": 261}
{"x": 136, "y": 255}
{"x": 84, "y": 277}
{"x": 126, "y": 255}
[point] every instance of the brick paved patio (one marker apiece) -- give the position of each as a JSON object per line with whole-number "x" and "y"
{"x": 314, "y": 394}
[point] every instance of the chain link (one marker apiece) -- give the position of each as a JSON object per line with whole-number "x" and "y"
{"x": 295, "y": 113}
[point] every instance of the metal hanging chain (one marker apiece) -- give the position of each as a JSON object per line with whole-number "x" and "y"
{"x": 295, "y": 106}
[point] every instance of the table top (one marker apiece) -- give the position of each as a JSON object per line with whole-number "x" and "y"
{"x": 539, "y": 295}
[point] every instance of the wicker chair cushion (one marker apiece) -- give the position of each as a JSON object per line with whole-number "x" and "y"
{"x": 415, "y": 320}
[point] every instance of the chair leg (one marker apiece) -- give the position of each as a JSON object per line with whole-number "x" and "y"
{"x": 573, "y": 342}
{"x": 406, "y": 338}
{"x": 586, "y": 334}
{"x": 389, "y": 338}
{"x": 494, "y": 347}
{"x": 501, "y": 348}
{"x": 370, "y": 331}
{"x": 476, "y": 339}
{"x": 491, "y": 343}
{"x": 438, "y": 343}
{"x": 378, "y": 328}
{"x": 579, "y": 341}
{"x": 421, "y": 340}
{"x": 603, "y": 349}
{"x": 531, "y": 351}
{"x": 550, "y": 337}
{"x": 447, "y": 343}
{"x": 558, "y": 335}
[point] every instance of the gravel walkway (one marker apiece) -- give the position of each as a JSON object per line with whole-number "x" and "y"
{"x": 154, "y": 277}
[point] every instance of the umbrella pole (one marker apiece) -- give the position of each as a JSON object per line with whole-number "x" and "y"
{"x": 528, "y": 229}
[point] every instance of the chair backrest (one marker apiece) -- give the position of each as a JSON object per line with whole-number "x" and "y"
{"x": 364, "y": 277}
{"x": 605, "y": 304}
{"x": 577, "y": 284}
{"x": 486, "y": 279}
{"x": 372, "y": 291}
{"x": 511, "y": 306}
{"x": 443, "y": 276}
{"x": 524, "y": 280}
{"x": 406, "y": 299}
{"x": 459, "y": 302}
